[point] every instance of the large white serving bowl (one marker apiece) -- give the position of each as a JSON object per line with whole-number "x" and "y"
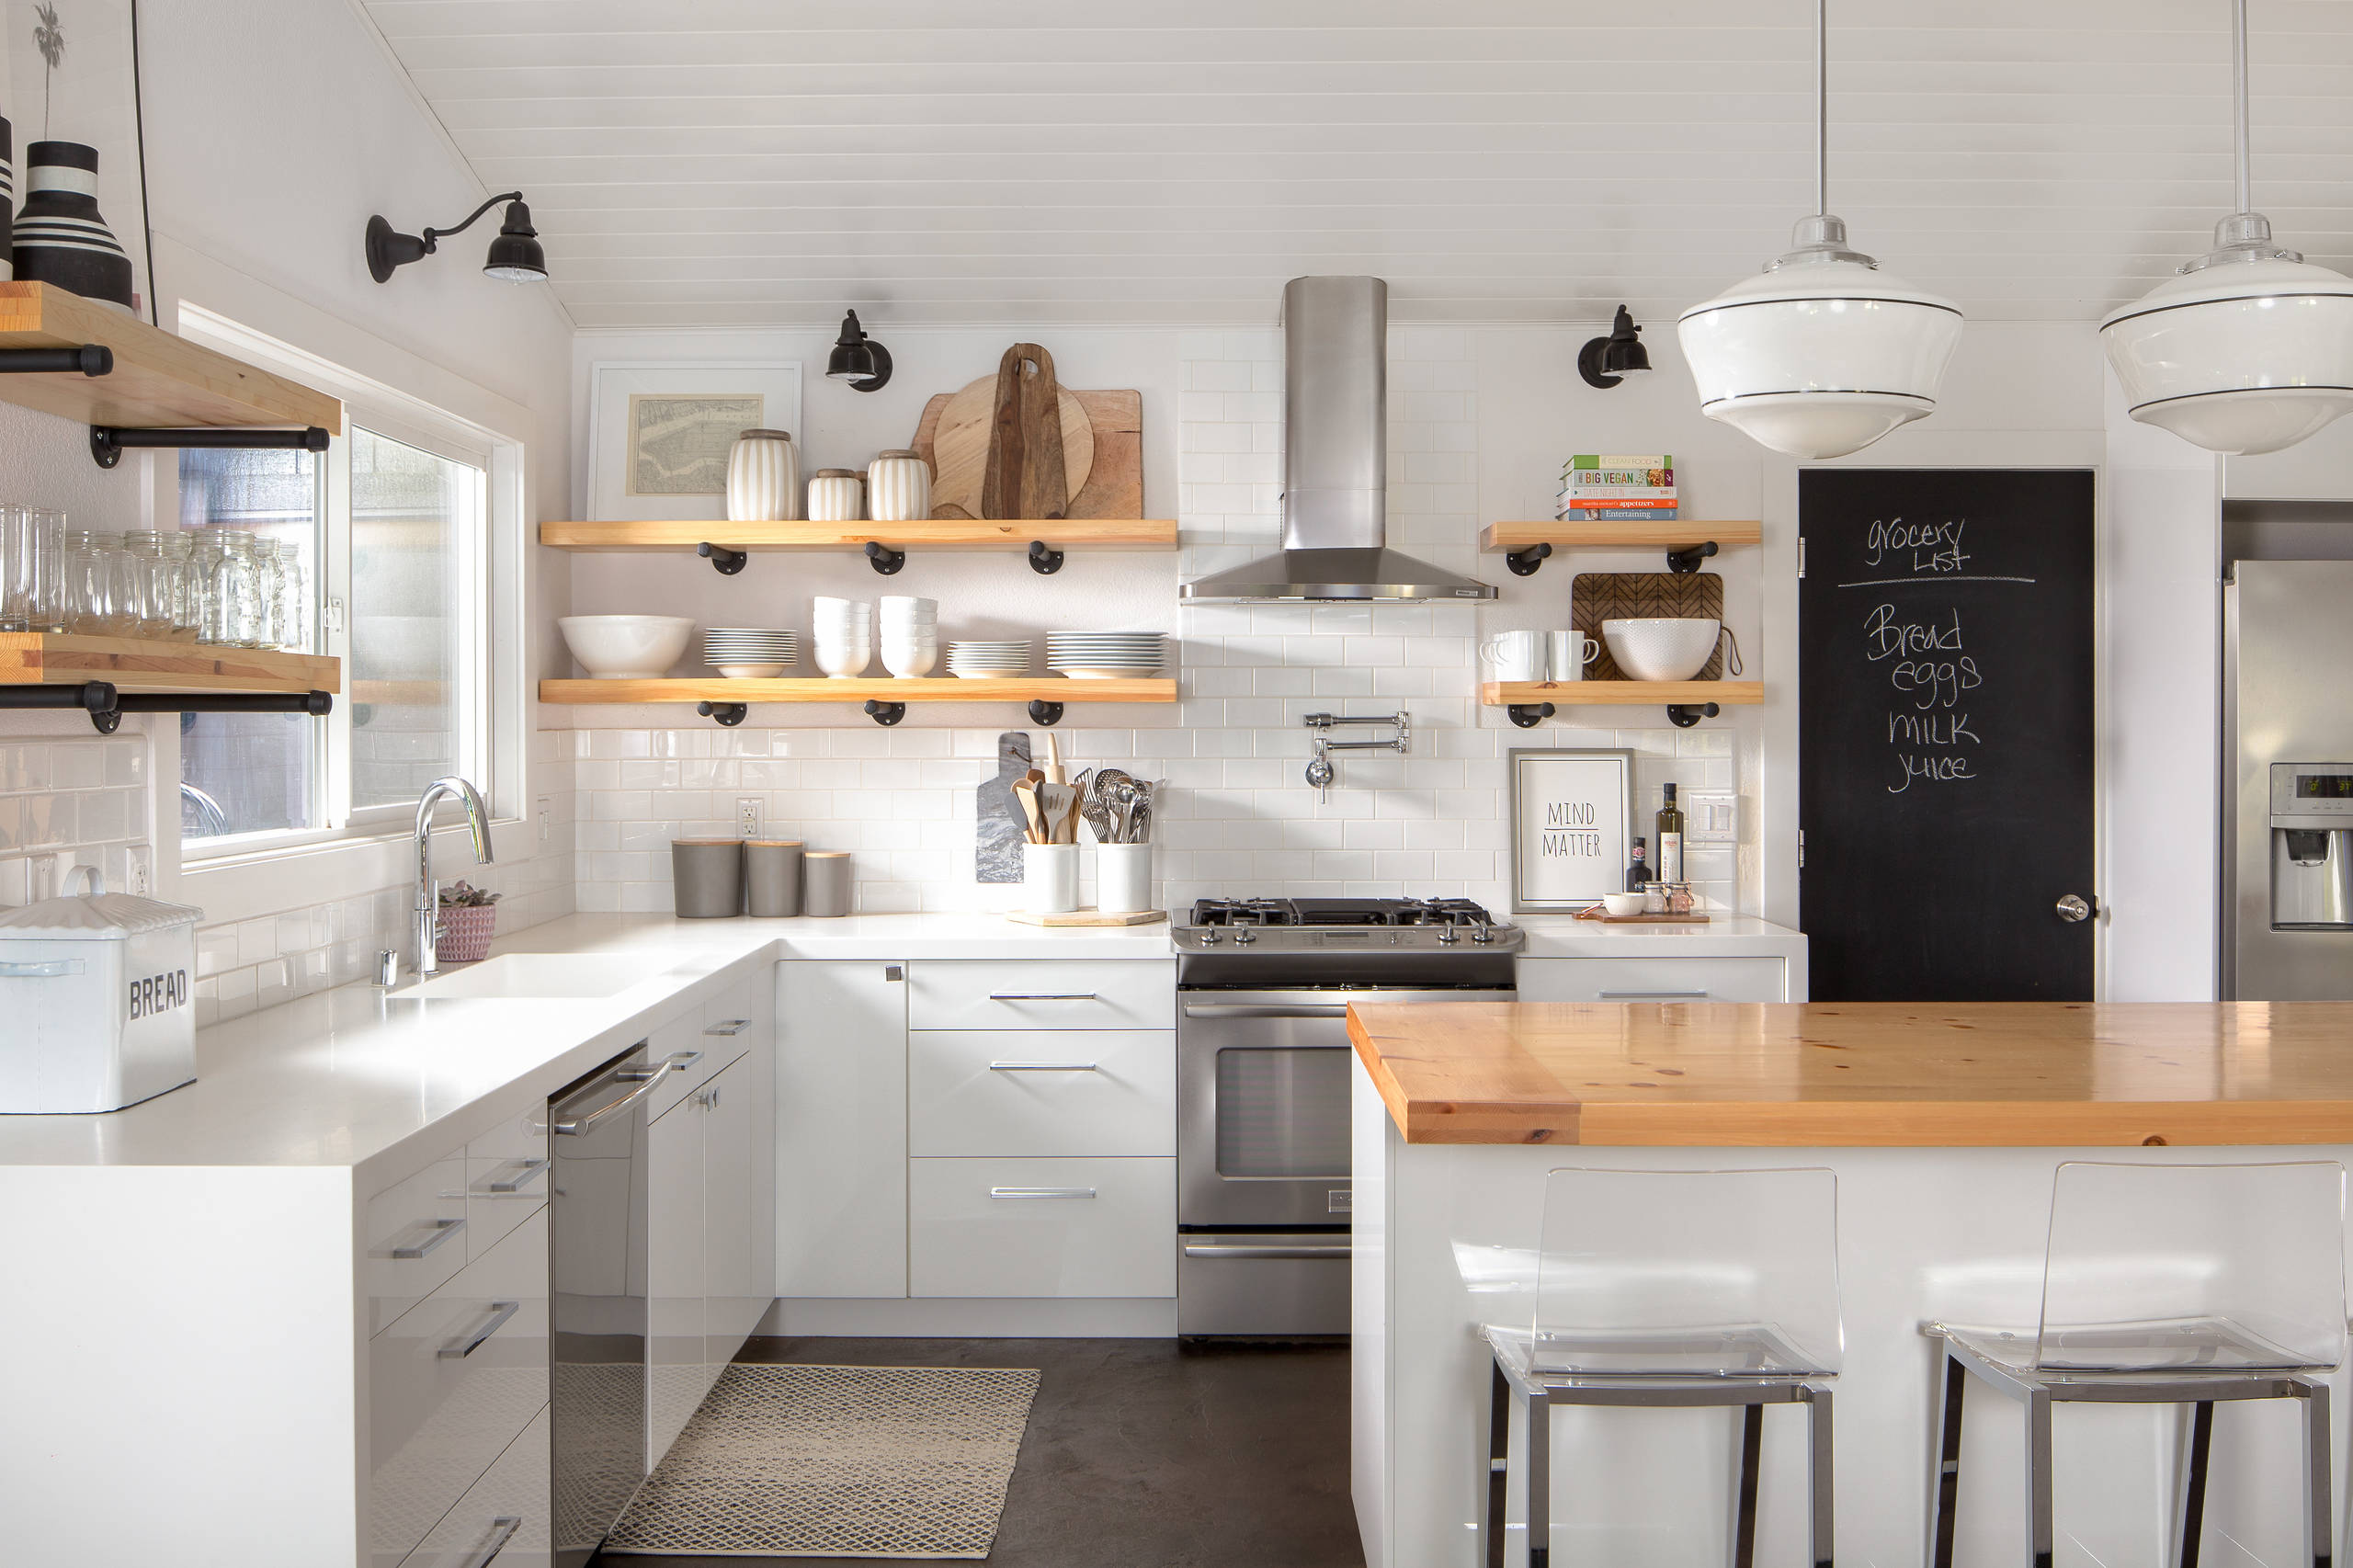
{"x": 1661, "y": 647}
{"x": 626, "y": 647}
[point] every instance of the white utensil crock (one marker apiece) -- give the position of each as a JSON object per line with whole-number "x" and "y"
{"x": 1048, "y": 877}
{"x": 1123, "y": 878}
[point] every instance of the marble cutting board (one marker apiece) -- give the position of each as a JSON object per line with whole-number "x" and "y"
{"x": 998, "y": 827}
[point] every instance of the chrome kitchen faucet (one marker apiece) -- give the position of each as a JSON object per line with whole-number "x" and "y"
{"x": 427, "y": 912}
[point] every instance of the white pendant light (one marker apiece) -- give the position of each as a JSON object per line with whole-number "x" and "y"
{"x": 2250, "y": 349}
{"x": 1823, "y": 353}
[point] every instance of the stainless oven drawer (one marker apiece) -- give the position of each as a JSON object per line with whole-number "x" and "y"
{"x": 1262, "y": 1282}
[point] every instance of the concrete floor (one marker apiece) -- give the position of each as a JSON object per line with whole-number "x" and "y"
{"x": 1141, "y": 1453}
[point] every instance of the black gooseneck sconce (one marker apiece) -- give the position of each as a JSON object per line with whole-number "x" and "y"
{"x": 515, "y": 256}
{"x": 1606, "y": 361}
{"x": 859, "y": 359}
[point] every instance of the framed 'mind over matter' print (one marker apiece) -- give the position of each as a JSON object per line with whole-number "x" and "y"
{"x": 1571, "y": 823}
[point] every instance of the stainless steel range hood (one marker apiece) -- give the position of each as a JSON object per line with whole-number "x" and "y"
{"x": 1336, "y": 462}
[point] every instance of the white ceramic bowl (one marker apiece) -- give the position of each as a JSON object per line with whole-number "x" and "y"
{"x": 1664, "y": 648}
{"x": 1622, "y": 904}
{"x": 626, "y": 647}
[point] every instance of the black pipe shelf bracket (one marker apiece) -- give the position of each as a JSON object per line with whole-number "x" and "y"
{"x": 728, "y": 561}
{"x": 1683, "y": 562}
{"x": 887, "y": 562}
{"x": 106, "y": 703}
{"x": 1044, "y": 713}
{"x": 885, "y": 713}
{"x": 1044, "y": 561}
{"x": 108, "y": 442}
{"x": 1683, "y": 715}
{"x": 1524, "y": 562}
{"x": 89, "y": 360}
{"x": 1528, "y": 715}
{"x": 728, "y": 713}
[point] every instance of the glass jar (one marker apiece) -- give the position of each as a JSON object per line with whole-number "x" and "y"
{"x": 294, "y": 619}
{"x": 146, "y": 585}
{"x": 90, "y": 608}
{"x": 203, "y": 557}
{"x": 183, "y": 586}
{"x": 229, "y": 592}
{"x": 44, "y": 590}
{"x": 270, "y": 594}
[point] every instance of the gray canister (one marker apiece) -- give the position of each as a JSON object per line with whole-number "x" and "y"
{"x": 826, "y": 872}
{"x": 772, "y": 876}
{"x": 707, "y": 877}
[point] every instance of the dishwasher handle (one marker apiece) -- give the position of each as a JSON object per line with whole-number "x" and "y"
{"x": 1265, "y": 1009}
{"x": 647, "y": 1079}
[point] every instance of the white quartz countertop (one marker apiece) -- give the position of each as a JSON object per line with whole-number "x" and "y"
{"x": 382, "y": 1082}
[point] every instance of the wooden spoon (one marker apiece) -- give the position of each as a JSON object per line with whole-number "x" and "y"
{"x": 1026, "y": 793}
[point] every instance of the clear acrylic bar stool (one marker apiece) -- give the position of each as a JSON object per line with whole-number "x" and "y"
{"x": 1667, "y": 1288}
{"x": 2165, "y": 1285}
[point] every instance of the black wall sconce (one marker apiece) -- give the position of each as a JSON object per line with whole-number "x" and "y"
{"x": 515, "y": 256}
{"x": 1606, "y": 361}
{"x": 859, "y": 359}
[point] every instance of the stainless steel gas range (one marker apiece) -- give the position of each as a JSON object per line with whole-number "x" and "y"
{"x": 1262, "y": 1088}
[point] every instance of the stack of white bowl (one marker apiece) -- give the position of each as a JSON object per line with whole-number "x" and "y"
{"x": 1001, "y": 659}
{"x": 743, "y": 653}
{"x": 844, "y": 634}
{"x": 910, "y": 635}
{"x": 1103, "y": 656}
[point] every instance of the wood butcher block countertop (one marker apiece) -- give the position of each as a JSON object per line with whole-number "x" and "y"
{"x": 1878, "y": 1073}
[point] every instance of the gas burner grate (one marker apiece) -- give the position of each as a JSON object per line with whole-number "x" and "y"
{"x": 1340, "y": 912}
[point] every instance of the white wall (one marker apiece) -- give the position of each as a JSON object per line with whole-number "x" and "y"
{"x": 273, "y": 128}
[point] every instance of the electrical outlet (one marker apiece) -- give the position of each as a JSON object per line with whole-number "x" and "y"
{"x": 137, "y": 873}
{"x": 547, "y": 820}
{"x": 750, "y": 814}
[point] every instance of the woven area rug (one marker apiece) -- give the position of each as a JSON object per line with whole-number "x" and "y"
{"x": 788, "y": 1460}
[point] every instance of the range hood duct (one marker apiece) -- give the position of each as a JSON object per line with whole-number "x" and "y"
{"x": 1336, "y": 462}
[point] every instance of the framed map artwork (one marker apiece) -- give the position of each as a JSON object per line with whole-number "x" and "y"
{"x": 659, "y": 434}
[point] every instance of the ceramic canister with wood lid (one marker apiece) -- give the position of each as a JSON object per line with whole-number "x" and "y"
{"x": 763, "y": 477}
{"x": 898, "y": 488}
{"x": 772, "y": 877}
{"x": 707, "y": 877}
{"x": 825, "y": 879}
{"x": 836, "y": 496}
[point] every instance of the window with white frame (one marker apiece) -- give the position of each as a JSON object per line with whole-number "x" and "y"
{"x": 392, "y": 529}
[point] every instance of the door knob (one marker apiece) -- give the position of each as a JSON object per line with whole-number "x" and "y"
{"x": 2075, "y": 907}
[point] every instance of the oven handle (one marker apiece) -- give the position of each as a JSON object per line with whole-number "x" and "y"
{"x": 1269, "y": 1249}
{"x": 1265, "y": 1009}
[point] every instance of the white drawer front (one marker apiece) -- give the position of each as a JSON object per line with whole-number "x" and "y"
{"x": 413, "y": 1238}
{"x": 1057, "y": 994}
{"x": 506, "y": 1178}
{"x": 1653, "y": 980}
{"x": 1065, "y": 1092}
{"x": 508, "y": 1512}
{"x": 1041, "y": 1227}
{"x": 451, "y": 1384}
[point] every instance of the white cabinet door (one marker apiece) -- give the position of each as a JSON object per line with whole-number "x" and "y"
{"x": 733, "y": 1297}
{"x": 674, "y": 1270}
{"x": 841, "y": 1129}
{"x": 1653, "y": 980}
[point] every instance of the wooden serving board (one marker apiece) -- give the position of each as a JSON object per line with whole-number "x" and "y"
{"x": 1596, "y": 596}
{"x": 1107, "y": 456}
{"x": 1643, "y": 919}
{"x": 1089, "y": 917}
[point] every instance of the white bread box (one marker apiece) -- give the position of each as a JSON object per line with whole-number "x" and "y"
{"x": 96, "y": 1004}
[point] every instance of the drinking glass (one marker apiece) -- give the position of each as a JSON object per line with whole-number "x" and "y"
{"x": 147, "y": 588}
{"x": 16, "y": 568}
{"x": 89, "y": 607}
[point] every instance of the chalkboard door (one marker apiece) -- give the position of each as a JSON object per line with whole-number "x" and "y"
{"x": 1945, "y": 723}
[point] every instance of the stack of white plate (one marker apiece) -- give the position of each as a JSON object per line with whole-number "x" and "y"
{"x": 1103, "y": 656}
{"x": 1002, "y": 659}
{"x": 844, "y": 631}
{"x": 745, "y": 653}
{"x": 910, "y": 635}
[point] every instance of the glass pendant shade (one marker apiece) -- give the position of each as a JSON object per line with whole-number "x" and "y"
{"x": 2249, "y": 352}
{"x": 1823, "y": 353}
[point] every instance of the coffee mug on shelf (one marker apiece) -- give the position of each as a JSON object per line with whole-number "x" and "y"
{"x": 1513, "y": 655}
{"x": 1566, "y": 653}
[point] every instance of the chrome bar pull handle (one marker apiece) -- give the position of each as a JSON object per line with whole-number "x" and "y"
{"x": 442, "y": 1231}
{"x": 525, "y": 1170}
{"x": 502, "y": 1530}
{"x": 1265, "y": 1009}
{"x": 1041, "y": 1192}
{"x": 680, "y": 1059}
{"x": 1044, "y": 996}
{"x": 1043, "y": 1067}
{"x": 729, "y": 1027}
{"x": 466, "y": 1345}
{"x": 646, "y": 1079}
{"x": 1651, "y": 996}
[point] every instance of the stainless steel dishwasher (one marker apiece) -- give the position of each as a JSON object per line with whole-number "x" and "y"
{"x": 596, "y": 1264}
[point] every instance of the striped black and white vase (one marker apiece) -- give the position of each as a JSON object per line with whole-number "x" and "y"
{"x": 7, "y": 189}
{"x": 59, "y": 237}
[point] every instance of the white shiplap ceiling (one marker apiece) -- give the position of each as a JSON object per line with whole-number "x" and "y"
{"x": 694, "y": 162}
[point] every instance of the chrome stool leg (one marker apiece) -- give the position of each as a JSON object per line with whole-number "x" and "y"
{"x": 1743, "y": 1525}
{"x": 1944, "y": 1473}
{"x": 1539, "y": 1479}
{"x": 2038, "y": 1478}
{"x": 2189, "y": 1507}
{"x": 2317, "y": 1535}
{"x": 1498, "y": 1466}
{"x": 1818, "y": 1516}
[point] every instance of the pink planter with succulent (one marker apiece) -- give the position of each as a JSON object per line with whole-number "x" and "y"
{"x": 468, "y": 917}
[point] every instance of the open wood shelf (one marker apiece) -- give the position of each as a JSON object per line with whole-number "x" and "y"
{"x": 936, "y": 533}
{"x": 1506, "y": 539}
{"x": 140, "y": 667}
{"x": 1622, "y": 693}
{"x": 926, "y": 688}
{"x": 158, "y": 379}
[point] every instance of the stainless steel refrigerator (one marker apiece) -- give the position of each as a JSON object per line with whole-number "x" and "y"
{"x": 2287, "y": 784}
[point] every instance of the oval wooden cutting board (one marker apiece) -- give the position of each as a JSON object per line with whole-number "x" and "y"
{"x": 959, "y": 449}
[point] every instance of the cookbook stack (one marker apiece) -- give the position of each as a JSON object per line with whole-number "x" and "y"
{"x": 1608, "y": 486}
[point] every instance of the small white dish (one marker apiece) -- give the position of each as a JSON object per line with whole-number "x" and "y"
{"x": 749, "y": 672}
{"x": 1622, "y": 904}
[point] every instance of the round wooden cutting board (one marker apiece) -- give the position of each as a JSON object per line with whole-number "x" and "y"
{"x": 959, "y": 450}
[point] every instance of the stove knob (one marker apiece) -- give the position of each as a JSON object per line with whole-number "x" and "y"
{"x": 1210, "y": 936}
{"x": 1449, "y": 935}
{"x": 1483, "y": 932}
{"x": 1242, "y": 938}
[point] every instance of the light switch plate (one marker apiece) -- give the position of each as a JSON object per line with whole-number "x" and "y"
{"x": 1710, "y": 816}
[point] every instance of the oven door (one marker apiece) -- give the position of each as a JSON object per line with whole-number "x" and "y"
{"x": 1262, "y": 1093}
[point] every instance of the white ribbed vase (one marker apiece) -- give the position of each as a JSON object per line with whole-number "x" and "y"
{"x": 763, "y": 477}
{"x": 898, "y": 488}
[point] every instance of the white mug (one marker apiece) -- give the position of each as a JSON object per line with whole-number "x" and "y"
{"x": 1567, "y": 654}
{"x": 1513, "y": 655}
